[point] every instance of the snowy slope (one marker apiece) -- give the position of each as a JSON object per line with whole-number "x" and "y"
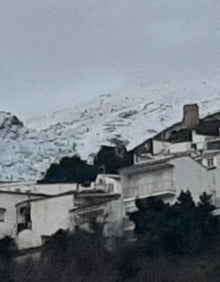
{"x": 27, "y": 151}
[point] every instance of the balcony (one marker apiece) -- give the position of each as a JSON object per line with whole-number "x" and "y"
{"x": 154, "y": 188}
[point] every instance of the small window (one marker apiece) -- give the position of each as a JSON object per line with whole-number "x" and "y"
{"x": 193, "y": 146}
{"x": 110, "y": 187}
{"x": 210, "y": 162}
{"x": 2, "y": 214}
{"x": 136, "y": 159}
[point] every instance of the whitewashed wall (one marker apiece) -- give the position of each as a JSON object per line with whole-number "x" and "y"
{"x": 47, "y": 216}
{"x": 53, "y": 189}
{"x": 110, "y": 183}
{"x": 187, "y": 174}
{"x": 114, "y": 221}
{"x": 9, "y": 201}
{"x": 180, "y": 147}
{"x": 190, "y": 175}
{"x": 147, "y": 183}
{"x": 199, "y": 178}
{"x": 49, "y": 189}
{"x": 198, "y": 138}
{"x": 161, "y": 147}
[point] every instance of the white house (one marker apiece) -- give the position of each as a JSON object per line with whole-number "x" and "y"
{"x": 8, "y": 215}
{"x": 31, "y": 217}
{"x": 166, "y": 179}
{"x": 39, "y": 219}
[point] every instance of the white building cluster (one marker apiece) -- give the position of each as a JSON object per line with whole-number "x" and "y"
{"x": 31, "y": 212}
{"x": 185, "y": 156}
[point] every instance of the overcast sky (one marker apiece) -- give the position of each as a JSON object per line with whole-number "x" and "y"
{"x": 54, "y": 53}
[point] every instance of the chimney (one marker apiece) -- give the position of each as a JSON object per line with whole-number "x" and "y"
{"x": 191, "y": 115}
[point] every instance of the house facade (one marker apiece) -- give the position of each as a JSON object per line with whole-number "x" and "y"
{"x": 8, "y": 213}
{"x": 167, "y": 178}
{"x": 31, "y": 217}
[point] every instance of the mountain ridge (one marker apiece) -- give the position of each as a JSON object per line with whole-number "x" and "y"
{"x": 29, "y": 147}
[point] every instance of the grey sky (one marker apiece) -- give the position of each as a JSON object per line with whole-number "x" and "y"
{"x": 56, "y": 52}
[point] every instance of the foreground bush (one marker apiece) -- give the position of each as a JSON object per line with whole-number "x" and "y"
{"x": 176, "y": 243}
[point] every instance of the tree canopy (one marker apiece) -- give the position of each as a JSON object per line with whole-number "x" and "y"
{"x": 75, "y": 170}
{"x": 183, "y": 228}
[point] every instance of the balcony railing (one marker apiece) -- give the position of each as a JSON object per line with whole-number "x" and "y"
{"x": 151, "y": 188}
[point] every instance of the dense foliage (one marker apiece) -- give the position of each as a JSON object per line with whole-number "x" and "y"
{"x": 7, "y": 252}
{"x": 70, "y": 170}
{"x": 182, "y": 228}
{"x": 75, "y": 170}
{"x": 111, "y": 161}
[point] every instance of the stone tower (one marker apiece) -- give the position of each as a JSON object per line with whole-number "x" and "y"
{"x": 191, "y": 115}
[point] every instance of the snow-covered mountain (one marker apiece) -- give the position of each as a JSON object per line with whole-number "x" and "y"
{"x": 28, "y": 148}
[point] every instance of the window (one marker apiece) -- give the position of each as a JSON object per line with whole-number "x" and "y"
{"x": 110, "y": 187}
{"x": 210, "y": 162}
{"x": 2, "y": 214}
{"x": 193, "y": 146}
{"x": 24, "y": 218}
{"x": 213, "y": 145}
{"x": 136, "y": 159}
